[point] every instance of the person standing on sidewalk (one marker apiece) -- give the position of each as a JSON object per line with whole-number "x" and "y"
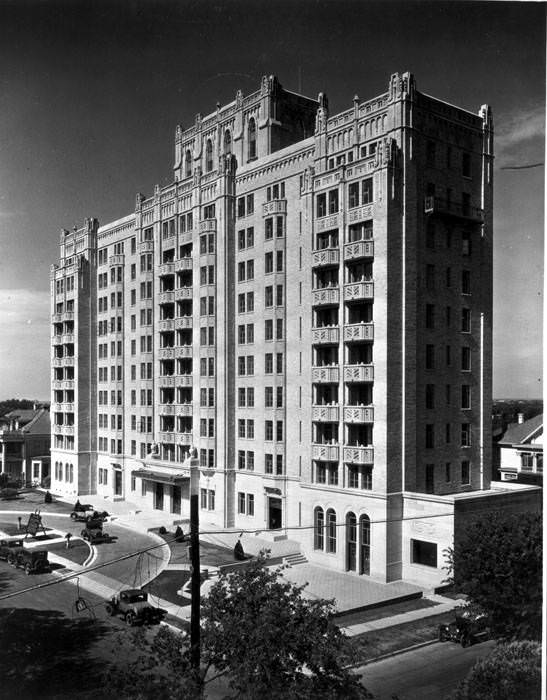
{"x": 68, "y": 537}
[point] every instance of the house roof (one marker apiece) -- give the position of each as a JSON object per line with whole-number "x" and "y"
{"x": 34, "y": 421}
{"x": 518, "y": 433}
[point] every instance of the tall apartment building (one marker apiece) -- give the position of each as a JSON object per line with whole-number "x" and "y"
{"x": 309, "y": 306}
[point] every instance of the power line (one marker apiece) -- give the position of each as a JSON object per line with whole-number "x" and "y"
{"x": 255, "y": 531}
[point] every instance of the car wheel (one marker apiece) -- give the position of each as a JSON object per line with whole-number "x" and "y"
{"x": 11, "y": 561}
{"x": 28, "y": 569}
{"x": 442, "y": 636}
{"x": 130, "y": 618}
{"x": 465, "y": 641}
{"x": 73, "y": 516}
{"x": 109, "y": 609}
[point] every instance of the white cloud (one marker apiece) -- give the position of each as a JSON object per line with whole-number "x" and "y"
{"x": 519, "y": 128}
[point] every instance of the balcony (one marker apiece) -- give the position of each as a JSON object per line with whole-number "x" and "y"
{"x": 276, "y": 206}
{"x": 358, "y": 250}
{"x": 325, "y": 414}
{"x": 167, "y": 324}
{"x": 166, "y": 437}
{"x": 457, "y": 210}
{"x": 68, "y": 338}
{"x": 183, "y": 293}
{"x": 327, "y": 223}
{"x": 166, "y": 297}
{"x": 56, "y": 407}
{"x": 67, "y": 429}
{"x": 184, "y": 380}
{"x": 166, "y": 382}
{"x": 183, "y": 438}
{"x": 360, "y": 214}
{"x": 358, "y": 332}
{"x": 359, "y": 373}
{"x": 208, "y": 226}
{"x": 116, "y": 260}
{"x": 359, "y": 291}
{"x": 166, "y": 409}
{"x": 61, "y": 318}
{"x": 358, "y": 414}
{"x": 183, "y": 264}
{"x": 183, "y": 351}
{"x": 67, "y": 407}
{"x": 325, "y": 453}
{"x": 184, "y": 322}
{"x": 56, "y": 384}
{"x": 327, "y": 296}
{"x": 167, "y": 268}
{"x": 359, "y": 455}
{"x": 328, "y": 335}
{"x": 327, "y": 256}
{"x": 146, "y": 247}
{"x": 67, "y": 384}
{"x": 325, "y": 375}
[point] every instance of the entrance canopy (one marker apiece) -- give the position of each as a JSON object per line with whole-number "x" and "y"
{"x": 162, "y": 477}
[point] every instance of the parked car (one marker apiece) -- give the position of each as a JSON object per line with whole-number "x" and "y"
{"x": 133, "y": 606}
{"x": 30, "y": 560}
{"x": 468, "y": 627}
{"x": 93, "y": 531}
{"x": 87, "y": 512}
{"x": 7, "y": 545}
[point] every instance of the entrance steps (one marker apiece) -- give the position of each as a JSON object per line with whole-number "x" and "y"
{"x": 294, "y": 559}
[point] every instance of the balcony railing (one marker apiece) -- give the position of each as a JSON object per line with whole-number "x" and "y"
{"x": 327, "y": 295}
{"x": 325, "y": 453}
{"x": 184, "y": 380}
{"x": 184, "y": 322}
{"x": 164, "y": 436}
{"x": 358, "y": 291}
{"x": 360, "y": 214}
{"x": 446, "y": 207}
{"x": 183, "y": 293}
{"x": 358, "y": 455}
{"x": 167, "y": 268}
{"x": 183, "y": 264}
{"x": 208, "y": 225}
{"x": 359, "y": 331}
{"x": 326, "y": 375}
{"x": 166, "y": 297}
{"x": 183, "y": 438}
{"x": 326, "y": 414}
{"x": 327, "y": 222}
{"x": 358, "y": 414}
{"x": 328, "y": 335}
{"x": 146, "y": 246}
{"x": 276, "y": 206}
{"x": 116, "y": 260}
{"x": 359, "y": 249}
{"x": 168, "y": 324}
{"x": 68, "y": 338}
{"x": 327, "y": 256}
{"x": 359, "y": 373}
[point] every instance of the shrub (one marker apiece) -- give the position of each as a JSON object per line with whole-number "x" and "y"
{"x": 48, "y": 498}
{"x": 162, "y": 530}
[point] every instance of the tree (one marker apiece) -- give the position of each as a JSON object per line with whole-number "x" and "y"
{"x": 511, "y": 671}
{"x": 261, "y": 636}
{"x": 497, "y": 564}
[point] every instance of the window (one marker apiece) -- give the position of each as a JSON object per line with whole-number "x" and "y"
{"x": 251, "y": 134}
{"x": 321, "y": 205}
{"x": 250, "y": 365}
{"x": 250, "y": 269}
{"x": 250, "y": 235}
{"x": 430, "y": 396}
{"x": 367, "y": 191}
{"x": 333, "y": 201}
{"x": 241, "y": 239}
{"x": 250, "y": 504}
{"x": 429, "y": 356}
{"x": 241, "y": 207}
{"x": 447, "y": 472}
{"x": 250, "y": 301}
{"x": 466, "y": 435}
{"x": 466, "y": 164}
{"x": 279, "y": 363}
{"x": 268, "y": 430}
{"x": 466, "y": 243}
{"x": 279, "y": 397}
{"x": 268, "y": 296}
{"x": 187, "y": 164}
{"x": 279, "y": 261}
{"x": 241, "y": 503}
{"x": 268, "y": 329}
{"x": 447, "y": 437}
{"x": 268, "y": 396}
{"x": 466, "y": 396}
{"x": 430, "y": 316}
{"x": 268, "y": 464}
{"x": 279, "y": 431}
{"x": 424, "y": 553}
{"x": 268, "y": 363}
{"x": 466, "y": 359}
{"x": 429, "y": 435}
{"x": 331, "y": 531}
{"x": 268, "y": 263}
{"x": 353, "y": 195}
{"x": 466, "y": 282}
{"x": 208, "y": 156}
{"x": 429, "y": 478}
{"x": 268, "y": 229}
{"x": 279, "y": 227}
{"x": 430, "y": 277}
{"x": 318, "y": 529}
{"x": 279, "y": 295}
{"x": 466, "y": 472}
{"x": 466, "y": 320}
{"x": 279, "y": 329}
{"x": 279, "y": 465}
{"x": 527, "y": 461}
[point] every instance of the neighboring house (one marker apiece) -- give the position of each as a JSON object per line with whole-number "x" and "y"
{"x": 25, "y": 436}
{"x": 521, "y": 451}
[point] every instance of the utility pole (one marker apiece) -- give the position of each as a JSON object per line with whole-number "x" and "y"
{"x": 195, "y": 564}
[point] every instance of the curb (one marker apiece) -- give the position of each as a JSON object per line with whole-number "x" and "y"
{"x": 397, "y": 652}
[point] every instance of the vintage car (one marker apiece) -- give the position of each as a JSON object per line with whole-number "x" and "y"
{"x": 133, "y": 606}
{"x": 7, "y": 545}
{"x": 86, "y": 512}
{"x": 32, "y": 561}
{"x": 93, "y": 531}
{"x": 468, "y": 627}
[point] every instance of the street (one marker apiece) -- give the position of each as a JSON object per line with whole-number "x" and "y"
{"x": 429, "y": 673}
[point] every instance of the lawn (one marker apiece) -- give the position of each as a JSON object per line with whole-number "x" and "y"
{"x": 385, "y": 611}
{"x": 77, "y": 553}
{"x": 370, "y": 645}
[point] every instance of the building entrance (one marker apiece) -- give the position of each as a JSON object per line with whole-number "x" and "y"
{"x": 274, "y": 513}
{"x": 117, "y": 482}
{"x": 158, "y": 496}
{"x": 176, "y": 503}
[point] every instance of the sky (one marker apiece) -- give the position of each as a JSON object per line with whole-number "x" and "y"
{"x": 91, "y": 93}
